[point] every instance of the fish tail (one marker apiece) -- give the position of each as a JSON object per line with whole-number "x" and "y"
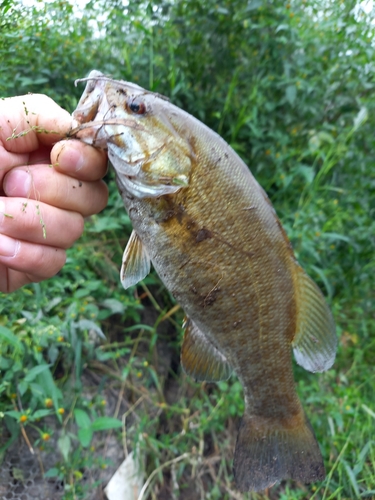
{"x": 267, "y": 452}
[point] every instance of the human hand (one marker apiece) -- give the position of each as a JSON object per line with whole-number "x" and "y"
{"x": 46, "y": 189}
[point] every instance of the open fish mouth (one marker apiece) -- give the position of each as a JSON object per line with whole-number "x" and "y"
{"x": 79, "y": 129}
{"x": 141, "y": 189}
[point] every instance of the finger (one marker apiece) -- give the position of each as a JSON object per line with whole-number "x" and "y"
{"x": 38, "y": 222}
{"x": 29, "y": 263}
{"x": 45, "y": 184}
{"x": 79, "y": 160}
{"x": 30, "y": 120}
{"x": 11, "y": 280}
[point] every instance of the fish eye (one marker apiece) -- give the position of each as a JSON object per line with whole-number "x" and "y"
{"x": 137, "y": 107}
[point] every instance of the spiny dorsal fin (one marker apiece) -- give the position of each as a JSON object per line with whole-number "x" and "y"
{"x": 315, "y": 342}
{"x": 136, "y": 263}
{"x": 199, "y": 357}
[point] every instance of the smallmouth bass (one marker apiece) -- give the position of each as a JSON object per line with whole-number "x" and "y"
{"x": 215, "y": 240}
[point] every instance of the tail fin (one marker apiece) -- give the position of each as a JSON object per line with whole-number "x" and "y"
{"x": 266, "y": 454}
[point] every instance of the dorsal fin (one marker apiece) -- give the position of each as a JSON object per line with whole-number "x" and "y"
{"x": 136, "y": 263}
{"x": 315, "y": 342}
{"x": 199, "y": 357}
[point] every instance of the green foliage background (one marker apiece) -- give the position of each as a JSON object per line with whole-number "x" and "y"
{"x": 291, "y": 89}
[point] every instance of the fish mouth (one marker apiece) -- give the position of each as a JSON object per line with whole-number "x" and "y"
{"x": 100, "y": 124}
{"x": 141, "y": 189}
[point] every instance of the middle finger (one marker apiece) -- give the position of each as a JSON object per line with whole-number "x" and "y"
{"x": 36, "y": 222}
{"x": 43, "y": 183}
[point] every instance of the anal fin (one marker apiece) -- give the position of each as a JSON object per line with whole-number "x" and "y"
{"x": 315, "y": 341}
{"x": 199, "y": 357}
{"x": 136, "y": 263}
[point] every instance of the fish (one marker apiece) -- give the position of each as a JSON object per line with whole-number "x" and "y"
{"x": 212, "y": 235}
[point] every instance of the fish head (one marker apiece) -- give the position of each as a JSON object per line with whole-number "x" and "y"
{"x": 141, "y": 131}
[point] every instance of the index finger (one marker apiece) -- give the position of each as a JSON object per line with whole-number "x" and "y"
{"x": 28, "y": 121}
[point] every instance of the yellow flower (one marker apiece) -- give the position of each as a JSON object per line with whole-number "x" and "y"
{"x": 48, "y": 402}
{"x": 61, "y": 411}
{"x": 23, "y": 418}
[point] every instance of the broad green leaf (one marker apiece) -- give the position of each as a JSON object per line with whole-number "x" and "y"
{"x": 64, "y": 445}
{"x": 53, "y": 472}
{"x": 104, "y": 423}
{"x": 22, "y": 387}
{"x": 34, "y": 372}
{"x": 82, "y": 418}
{"x": 85, "y": 436}
{"x": 36, "y": 389}
{"x": 14, "y": 414}
{"x": 41, "y": 414}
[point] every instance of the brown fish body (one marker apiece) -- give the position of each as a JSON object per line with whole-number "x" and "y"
{"x": 220, "y": 250}
{"x": 217, "y": 244}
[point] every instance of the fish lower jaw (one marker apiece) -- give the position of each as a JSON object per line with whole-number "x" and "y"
{"x": 141, "y": 189}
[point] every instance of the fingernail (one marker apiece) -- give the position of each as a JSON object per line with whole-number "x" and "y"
{"x": 8, "y": 246}
{"x": 17, "y": 183}
{"x": 69, "y": 158}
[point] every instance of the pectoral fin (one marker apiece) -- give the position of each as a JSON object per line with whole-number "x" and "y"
{"x": 199, "y": 357}
{"x": 315, "y": 342}
{"x": 136, "y": 263}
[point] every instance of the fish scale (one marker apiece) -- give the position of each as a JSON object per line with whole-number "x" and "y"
{"x": 211, "y": 233}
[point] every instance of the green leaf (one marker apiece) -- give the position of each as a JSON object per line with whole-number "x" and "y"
{"x": 361, "y": 118}
{"x": 36, "y": 389}
{"x": 104, "y": 423}
{"x": 41, "y": 414}
{"x": 22, "y": 387}
{"x": 7, "y": 336}
{"x": 64, "y": 445}
{"x": 87, "y": 324}
{"x": 253, "y": 4}
{"x": 291, "y": 93}
{"x": 5, "y": 363}
{"x": 45, "y": 380}
{"x": 326, "y": 137}
{"x": 85, "y": 436}
{"x": 115, "y": 306}
{"x": 34, "y": 372}
{"x": 13, "y": 414}
{"x": 82, "y": 418}
{"x": 53, "y": 472}
{"x": 324, "y": 279}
